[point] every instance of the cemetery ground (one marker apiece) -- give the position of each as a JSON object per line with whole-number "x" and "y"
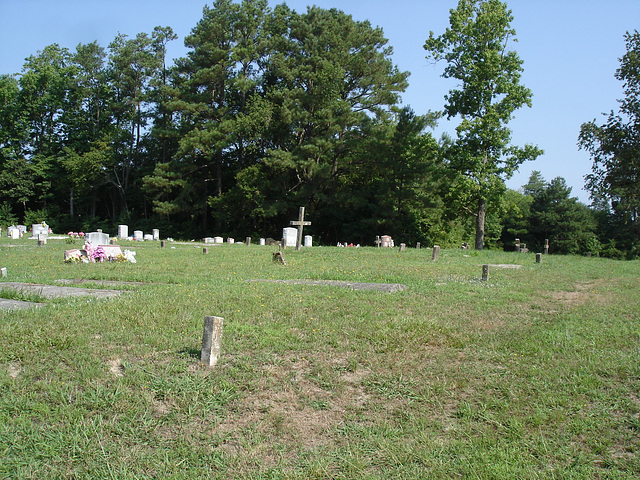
{"x": 534, "y": 373}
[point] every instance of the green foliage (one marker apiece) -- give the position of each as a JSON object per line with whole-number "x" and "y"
{"x": 475, "y": 49}
{"x": 7, "y": 217}
{"x": 615, "y": 149}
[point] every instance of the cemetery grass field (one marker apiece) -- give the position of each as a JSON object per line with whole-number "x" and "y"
{"x": 532, "y": 374}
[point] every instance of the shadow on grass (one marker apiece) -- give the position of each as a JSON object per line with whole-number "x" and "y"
{"x": 190, "y": 352}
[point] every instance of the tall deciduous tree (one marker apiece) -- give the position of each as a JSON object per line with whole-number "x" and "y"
{"x": 476, "y": 49}
{"x": 615, "y": 146}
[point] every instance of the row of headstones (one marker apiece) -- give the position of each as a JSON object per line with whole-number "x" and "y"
{"x": 138, "y": 235}
{"x": 289, "y": 238}
{"x": 16, "y": 231}
{"x": 522, "y": 247}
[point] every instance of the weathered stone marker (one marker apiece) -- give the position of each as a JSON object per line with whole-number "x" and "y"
{"x": 436, "y": 253}
{"x": 517, "y": 247}
{"x": 403, "y": 247}
{"x": 42, "y": 239}
{"x": 485, "y": 273}
{"x": 205, "y": 250}
{"x": 378, "y": 241}
{"x": 211, "y": 340}
{"x": 546, "y": 246}
{"x": 299, "y": 223}
{"x": 163, "y": 243}
{"x": 538, "y": 258}
{"x": 247, "y": 241}
{"x": 3, "y": 271}
{"x": 417, "y": 245}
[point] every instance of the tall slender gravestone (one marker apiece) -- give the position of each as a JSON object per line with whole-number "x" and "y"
{"x": 211, "y": 340}
{"x": 546, "y": 246}
{"x": 436, "y": 252}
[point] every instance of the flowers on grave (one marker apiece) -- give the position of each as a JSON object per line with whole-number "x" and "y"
{"x": 99, "y": 254}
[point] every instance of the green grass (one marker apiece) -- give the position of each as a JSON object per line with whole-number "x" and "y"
{"x": 534, "y": 374}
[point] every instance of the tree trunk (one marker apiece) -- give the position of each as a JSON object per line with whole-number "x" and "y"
{"x": 482, "y": 210}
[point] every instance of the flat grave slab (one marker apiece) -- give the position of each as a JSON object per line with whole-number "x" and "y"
{"x": 54, "y": 291}
{"x": 505, "y": 265}
{"x": 7, "y": 304}
{"x": 380, "y": 287}
{"x": 80, "y": 281}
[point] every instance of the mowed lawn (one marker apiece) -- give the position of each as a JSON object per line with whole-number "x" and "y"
{"x": 532, "y": 374}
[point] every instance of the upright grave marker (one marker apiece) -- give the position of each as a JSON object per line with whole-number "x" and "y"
{"x": 211, "y": 340}
{"x": 300, "y": 223}
{"x": 485, "y": 273}
{"x": 546, "y": 246}
{"x": 123, "y": 232}
{"x": 436, "y": 253}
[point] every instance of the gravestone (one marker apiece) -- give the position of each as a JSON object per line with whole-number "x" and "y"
{"x": 211, "y": 340}
{"x": 247, "y": 241}
{"x": 39, "y": 229}
{"x": 300, "y": 223}
{"x": 485, "y": 273}
{"x": 308, "y": 241}
{"x": 386, "y": 241}
{"x": 123, "y": 232}
{"x": 517, "y": 245}
{"x": 3, "y": 271}
{"x": 290, "y": 236}
{"x": 546, "y": 246}
{"x": 262, "y": 241}
{"x": 205, "y": 250}
{"x": 378, "y": 241}
{"x": 523, "y": 248}
{"x": 148, "y": 237}
{"x": 218, "y": 240}
{"x": 13, "y": 233}
{"x": 417, "y": 245}
{"x": 403, "y": 247}
{"x": 231, "y": 241}
{"x": 436, "y": 253}
{"x": 97, "y": 238}
{"x": 538, "y": 258}
{"x": 156, "y": 234}
{"x": 208, "y": 240}
{"x": 42, "y": 239}
{"x": 138, "y": 236}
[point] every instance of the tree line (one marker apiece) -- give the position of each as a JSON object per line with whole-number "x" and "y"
{"x": 271, "y": 109}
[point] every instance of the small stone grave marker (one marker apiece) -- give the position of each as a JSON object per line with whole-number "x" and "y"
{"x": 436, "y": 253}
{"x": 386, "y": 241}
{"x": 211, "y": 340}
{"x": 138, "y": 235}
{"x": 123, "y": 232}
{"x": 155, "y": 234}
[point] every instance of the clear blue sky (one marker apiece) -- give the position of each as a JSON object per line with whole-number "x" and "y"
{"x": 570, "y": 50}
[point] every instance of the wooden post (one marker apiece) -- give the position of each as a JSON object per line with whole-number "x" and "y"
{"x": 211, "y": 340}
{"x": 538, "y": 258}
{"x": 299, "y": 223}
{"x": 436, "y": 253}
{"x": 485, "y": 273}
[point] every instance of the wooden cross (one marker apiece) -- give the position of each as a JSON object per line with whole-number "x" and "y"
{"x": 299, "y": 223}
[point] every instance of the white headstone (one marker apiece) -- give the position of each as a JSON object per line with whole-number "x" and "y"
{"x": 123, "y": 231}
{"x": 230, "y": 240}
{"x": 148, "y": 237}
{"x": 138, "y": 235}
{"x": 387, "y": 241}
{"x": 14, "y": 233}
{"x": 97, "y": 238}
{"x": 262, "y": 241}
{"x": 308, "y": 241}
{"x": 39, "y": 229}
{"x": 290, "y": 236}
{"x": 218, "y": 240}
{"x": 156, "y": 234}
{"x": 208, "y": 240}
